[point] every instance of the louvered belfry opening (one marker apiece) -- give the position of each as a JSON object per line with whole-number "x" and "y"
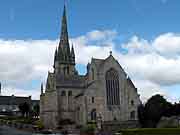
{"x": 112, "y": 87}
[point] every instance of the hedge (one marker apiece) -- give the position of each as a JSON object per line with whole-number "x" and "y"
{"x": 151, "y": 131}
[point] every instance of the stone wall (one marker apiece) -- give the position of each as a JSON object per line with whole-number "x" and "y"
{"x": 48, "y": 109}
{"x": 97, "y": 90}
{"x": 66, "y": 103}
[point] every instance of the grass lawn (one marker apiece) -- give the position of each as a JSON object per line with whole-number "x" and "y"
{"x": 151, "y": 131}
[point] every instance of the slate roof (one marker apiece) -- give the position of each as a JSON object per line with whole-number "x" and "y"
{"x": 13, "y": 100}
{"x": 71, "y": 81}
{"x": 131, "y": 83}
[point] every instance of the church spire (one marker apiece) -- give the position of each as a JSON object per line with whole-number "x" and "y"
{"x": 64, "y": 31}
{"x": 64, "y": 57}
{"x": 64, "y": 49}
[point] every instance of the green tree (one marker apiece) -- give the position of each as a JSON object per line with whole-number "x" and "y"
{"x": 141, "y": 115}
{"x": 175, "y": 109}
{"x": 154, "y": 109}
{"x": 24, "y": 108}
{"x": 36, "y": 110}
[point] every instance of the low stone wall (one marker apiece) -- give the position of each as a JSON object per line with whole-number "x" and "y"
{"x": 169, "y": 122}
{"x": 115, "y": 126}
{"x": 29, "y": 127}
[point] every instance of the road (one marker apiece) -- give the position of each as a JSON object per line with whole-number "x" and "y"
{"x": 4, "y": 130}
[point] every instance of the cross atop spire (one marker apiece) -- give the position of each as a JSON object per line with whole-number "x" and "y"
{"x": 110, "y": 52}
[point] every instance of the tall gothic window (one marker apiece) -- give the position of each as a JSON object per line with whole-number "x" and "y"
{"x": 112, "y": 87}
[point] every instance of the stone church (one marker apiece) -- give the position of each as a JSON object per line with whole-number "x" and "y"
{"x": 104, "y": 92}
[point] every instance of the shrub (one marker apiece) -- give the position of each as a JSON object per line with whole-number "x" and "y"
{"x": 39, "y": 124}
{"x": 90, "y": 128}
{"x": 78, "y": 126}
{"x": 151, "y": 131}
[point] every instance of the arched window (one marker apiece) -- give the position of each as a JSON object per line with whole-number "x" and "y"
{"x": 69, "y": 93}
{"x": 132, "y": 102}
{"x": 112, "y": 87}
{"x": 115, "y": 119}
{"x": 93, "y": 114}
{"x": 63, "y": 93}
{"x": 92, "y": 99}
{"x": 132, "y": 115}
{"x": 68, "y": 70}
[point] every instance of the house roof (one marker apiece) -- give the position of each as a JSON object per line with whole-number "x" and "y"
{"x": 13, "y": 100}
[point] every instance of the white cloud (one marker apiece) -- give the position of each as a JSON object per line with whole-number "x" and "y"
{"x": 137, "y": 46}
{"x": 146, "y": 89}
{"x": 151, "y": 60}
{"x": 168, "y": 44}
{"x": 97, "y": 35}
{"x": 151, "y": 64}
{"x": 9, "y": 91}
{"x": 22, "y": 62}
{"x": 25, "y": 60}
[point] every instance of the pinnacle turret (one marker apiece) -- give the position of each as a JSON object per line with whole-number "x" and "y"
{"x": 55, "y": 55}
{"x": 72, "y": 55}
{"x": 42, "y": 88}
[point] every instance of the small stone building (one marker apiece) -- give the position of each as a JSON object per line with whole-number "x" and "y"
{"x": 105, "y": 91}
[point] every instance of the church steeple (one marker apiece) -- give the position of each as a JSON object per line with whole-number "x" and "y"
{"x": 63, "y": 54}
{"x": 64, "y": 58}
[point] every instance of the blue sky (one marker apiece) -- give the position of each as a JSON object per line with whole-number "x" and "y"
{"x": 146, "y": 18}
{"x": 143, "y": 34}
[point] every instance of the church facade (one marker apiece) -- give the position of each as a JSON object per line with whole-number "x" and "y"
{"x": 105, "y": 91}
